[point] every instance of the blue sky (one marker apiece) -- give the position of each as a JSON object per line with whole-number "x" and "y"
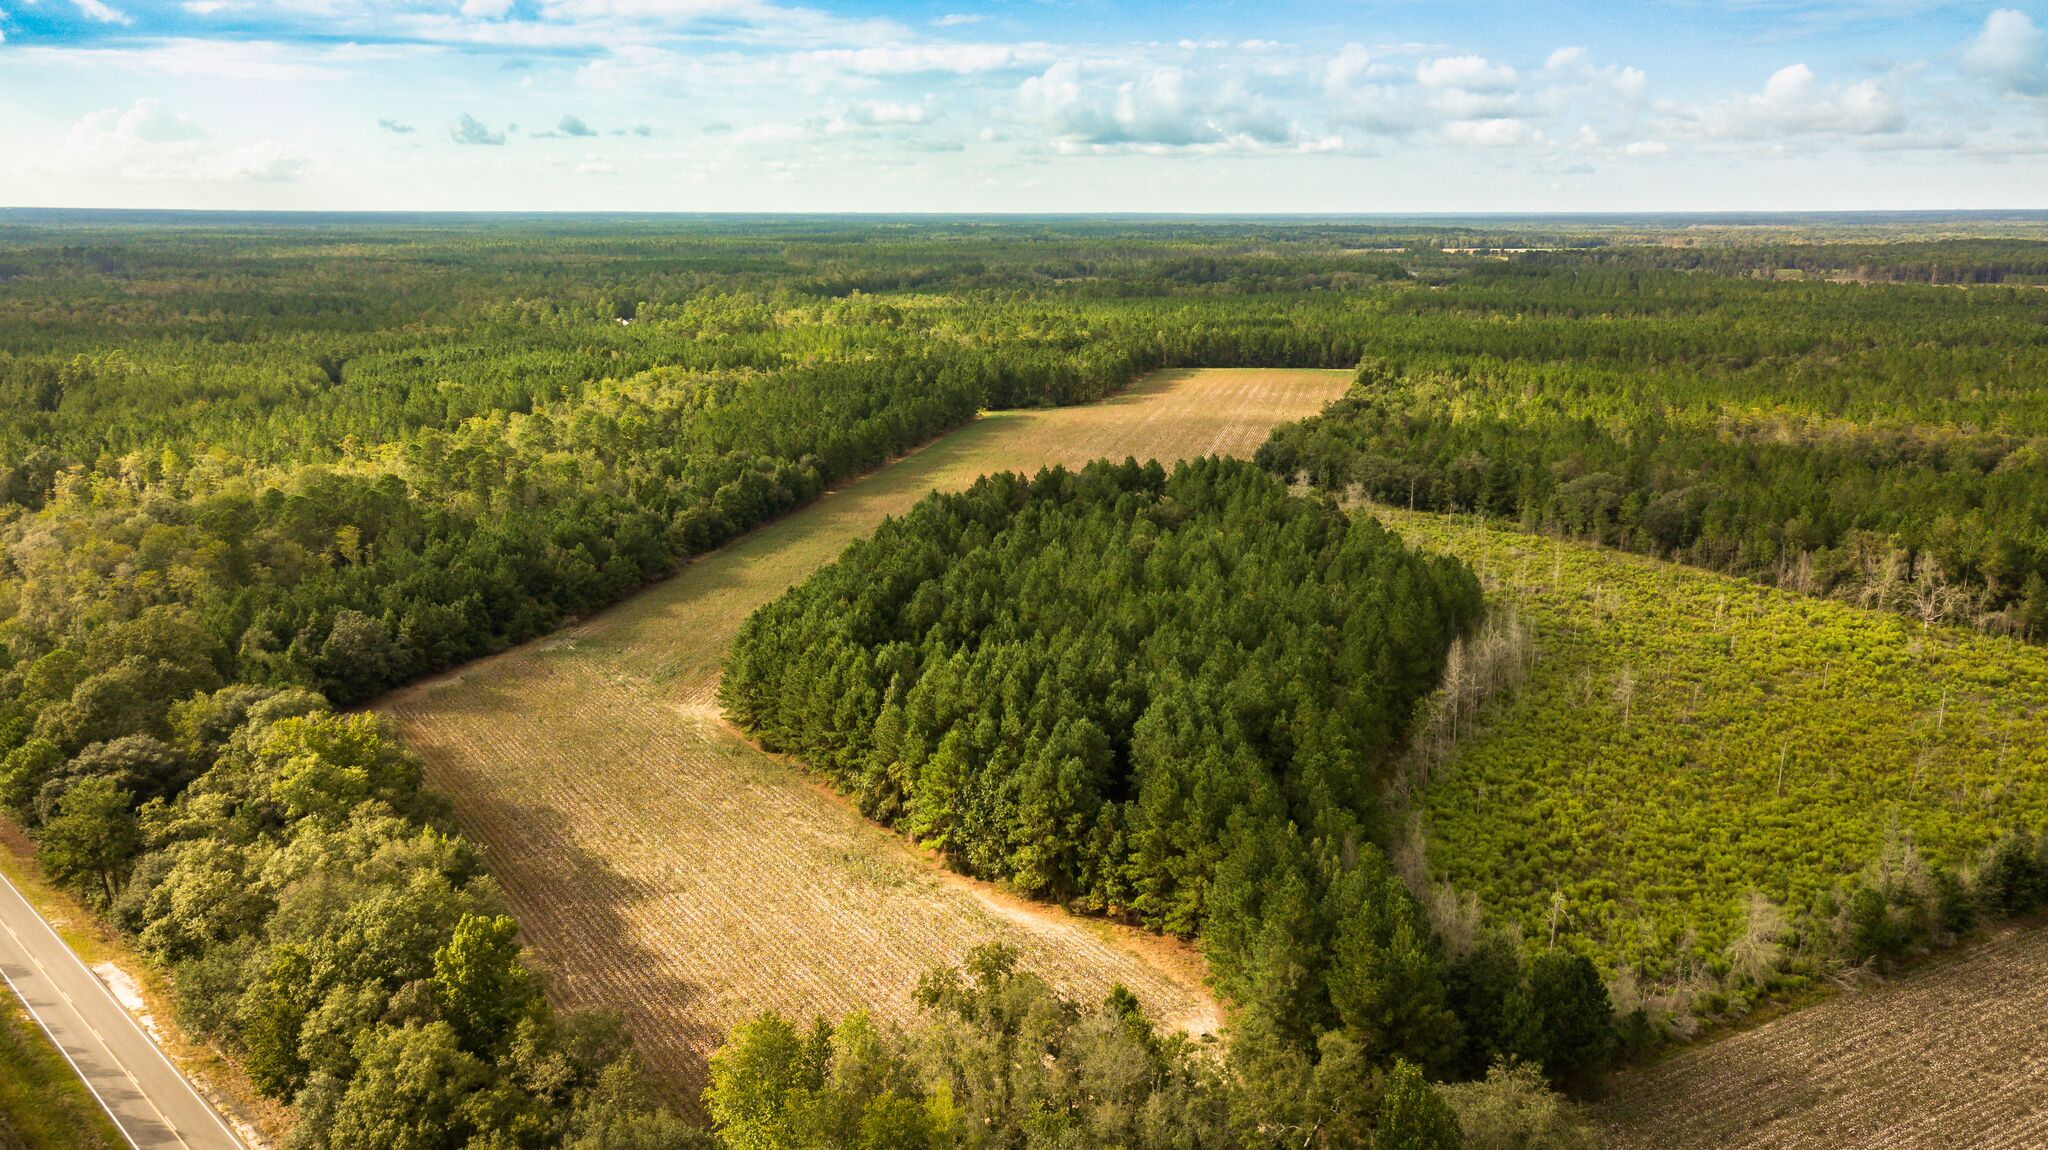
{"x": 1023, "y": 105}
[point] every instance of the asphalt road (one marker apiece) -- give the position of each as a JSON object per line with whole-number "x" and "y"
{"x": 150, "y": 1101}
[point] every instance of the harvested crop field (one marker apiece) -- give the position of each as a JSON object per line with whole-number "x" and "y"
{"x": 1951, "y": 1054}
{"x": 662, "y": 866}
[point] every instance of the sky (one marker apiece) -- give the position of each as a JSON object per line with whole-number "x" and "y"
{"x": 1326, "y": 106}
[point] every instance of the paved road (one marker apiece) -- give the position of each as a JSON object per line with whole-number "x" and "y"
{"x": 150, "y": 1101}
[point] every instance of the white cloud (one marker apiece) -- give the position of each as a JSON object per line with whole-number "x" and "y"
{"x": 467, "y": 129}
{"x": 145, "y": 122}
{"x": 1111, "y": 108}
{"x": 594, "y": 166}
{"x": 911, "y": 59}
{"x": 609, "y": 23}
{"x": 98, "y": 10}
{"x": 1344, "y": 68}
{"x": 1465, "y": 73}
{"x": 956, "y": 19}
{"x": 258, "y": 60}
{"x": 144, "y": 142}
{"x": 888, "y": 112}
{"x": 2011, "y": 53}
{"x": 1499, "y": 133}
{"x": 1793, "y": 102}
{"x": 486, "y": 9}
{"x": 1567, "y": 60}
{"x": 1574, "y": 67}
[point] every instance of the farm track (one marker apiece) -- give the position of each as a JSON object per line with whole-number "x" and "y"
{"x": 663, "y": 867}
{"x": 1951, "y": 1054}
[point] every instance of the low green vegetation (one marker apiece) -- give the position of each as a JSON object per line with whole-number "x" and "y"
{"x": 43, "y": 1105}
{"x": 1705, "y": 780}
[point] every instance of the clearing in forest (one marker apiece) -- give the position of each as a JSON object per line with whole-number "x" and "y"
{"x": 1952, "y": 1054}
{"x": 662, "y": 866}
{"x": 1683, "y": 738}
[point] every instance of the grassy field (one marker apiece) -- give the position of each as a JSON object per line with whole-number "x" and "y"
{"x": 662, "y": 866}
{"x": 1684, "y": 738}
{"x": 1949, "y": 1055}
{"x": 43, "y": 1105}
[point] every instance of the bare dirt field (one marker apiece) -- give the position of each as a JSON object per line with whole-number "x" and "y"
{"x": 1952, "y": 1054}
{"x": 663, "y": 867}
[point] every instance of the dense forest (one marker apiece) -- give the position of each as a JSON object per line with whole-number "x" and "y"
{"x": 253, "y": 471}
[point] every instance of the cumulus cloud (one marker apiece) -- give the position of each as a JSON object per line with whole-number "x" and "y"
{"x": 146, "y": 142}
{"x": 1465, "y": 73}
{"x": 1574, "y": 67}
{"x": 467, "y": 129}
{"x": 1345, "y": 69}
{"x": 888, "y": 112}
{"x": 1496, "y": 133}
{"x": 956, "y": 19}
{"x": 395, "y": 127}
{"x": 574, "y": 126}
{"x": 1793, "y": 102}
{"x": 1157, "y": 109}
{"x": 2011, "y": 53}
{"x": 145, "y": 122}
{"x": 1436, "y": 93}
{"x": 595, "y": 166}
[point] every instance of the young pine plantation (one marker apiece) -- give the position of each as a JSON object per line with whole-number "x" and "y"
{"x": 1871, "y": 818}
{"x": 1693, "y": 768}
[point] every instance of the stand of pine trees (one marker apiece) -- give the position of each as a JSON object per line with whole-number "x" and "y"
{"x": 1169, "y": 696}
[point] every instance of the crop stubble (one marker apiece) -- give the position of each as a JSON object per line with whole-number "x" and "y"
{"x": 663, "y": 867}
{"x": 1951, "y": 1054}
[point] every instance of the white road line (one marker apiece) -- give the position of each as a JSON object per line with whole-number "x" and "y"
{"x": 51, "y": 1035}
{"x": 148, "y": 1040}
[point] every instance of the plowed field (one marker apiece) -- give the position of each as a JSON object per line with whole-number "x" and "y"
{"x": 663, "y": 867}
{"x": 1950, "y": 1055}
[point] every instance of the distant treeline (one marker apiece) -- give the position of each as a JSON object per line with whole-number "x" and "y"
{"x": 1884, "y": 446}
